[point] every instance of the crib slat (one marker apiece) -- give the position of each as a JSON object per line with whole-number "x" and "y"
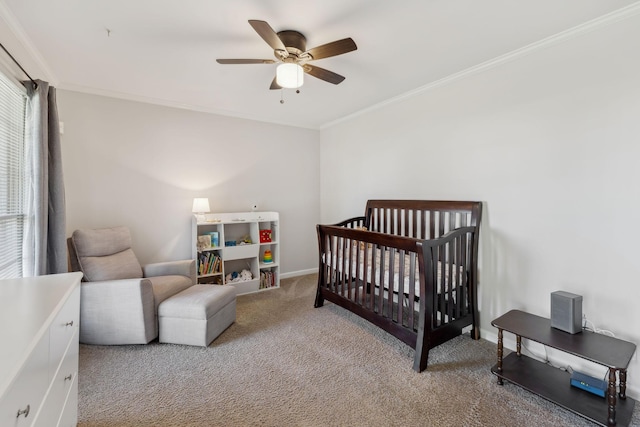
{"x": 358, "y": 278}
{"x": 390, "y": 274}
{"x": 464, "y": 278}
{"x": 435, "y": 256}
{"x": 458, "y": 277}
{"x": 343, "y": 268}
{"x": 380, "y": 267}
{"x": 441, "y": 284}
{"x": 353, "y": 268}
{"x": 401, "y": 277}
{"x": 432, "y": 225}
{"x": 414, "y": 224}
{"x": 368, "y": 292}
{"x": 448, "y": 280}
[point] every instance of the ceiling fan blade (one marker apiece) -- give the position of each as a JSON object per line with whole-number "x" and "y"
{"x": 265, "y": 31}
{"x": 337, "y": 47}
{"x": 245, "y": 61}
{"x": 322, "y": 74}
{"x": 274, "y": 84}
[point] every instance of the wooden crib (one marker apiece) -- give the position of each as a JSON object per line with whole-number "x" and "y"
{"x": 408, "y": 266}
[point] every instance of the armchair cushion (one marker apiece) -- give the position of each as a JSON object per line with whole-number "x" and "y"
{"x": 167, "y": 286}
{"x": 122, "y": 265}
{"x": 106, "y": 254}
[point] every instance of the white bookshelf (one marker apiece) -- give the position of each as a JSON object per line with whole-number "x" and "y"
{"x": 239, "y": 247}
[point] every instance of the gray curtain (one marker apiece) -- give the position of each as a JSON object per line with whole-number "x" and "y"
{"x": 45, "y": 234}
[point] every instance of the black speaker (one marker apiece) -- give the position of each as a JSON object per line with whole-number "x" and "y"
{"x": 566, "y": 311}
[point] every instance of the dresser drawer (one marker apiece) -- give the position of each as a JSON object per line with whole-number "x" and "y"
{"x": 62, "y": 329}
{"x": 60, "y": 387}
{"x": 28, "y": 388}
{"x": 69, "y": 416}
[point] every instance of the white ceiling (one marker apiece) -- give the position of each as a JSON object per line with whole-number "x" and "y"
{"x": 164, "y": 52}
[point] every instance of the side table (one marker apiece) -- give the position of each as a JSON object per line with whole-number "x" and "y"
{"x": 554, "y": 384}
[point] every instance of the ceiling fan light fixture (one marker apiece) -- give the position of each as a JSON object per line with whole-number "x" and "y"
{"x": 289, "y": 75}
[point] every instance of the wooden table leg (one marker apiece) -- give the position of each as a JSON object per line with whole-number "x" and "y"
{"x": 518, "y": 345}
{"x": 611, "y": 397}
{"x": 500, "y": 356}
{"x": 623, "y": 384}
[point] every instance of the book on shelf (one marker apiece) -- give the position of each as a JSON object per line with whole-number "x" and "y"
{"x": 209, "y": 263}
{"x": 215, "y": 240}
{"x": 267, "y": 279}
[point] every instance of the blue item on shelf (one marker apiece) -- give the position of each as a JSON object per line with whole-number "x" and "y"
{"x": 590, "y": 384}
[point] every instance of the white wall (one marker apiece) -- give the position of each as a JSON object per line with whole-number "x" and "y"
{"x": 549, "y": 142}
{"x": 140, "y": 165}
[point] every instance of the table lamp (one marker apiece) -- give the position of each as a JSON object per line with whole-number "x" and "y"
{"x": 200, "y": 207}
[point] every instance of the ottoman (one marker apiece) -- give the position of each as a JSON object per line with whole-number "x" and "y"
{"x": 197, "y": 315}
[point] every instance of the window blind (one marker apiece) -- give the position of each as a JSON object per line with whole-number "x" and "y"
{"x": 12, "y": 170}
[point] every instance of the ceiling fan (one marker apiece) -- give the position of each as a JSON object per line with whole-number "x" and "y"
{"x": 289, "y": 48}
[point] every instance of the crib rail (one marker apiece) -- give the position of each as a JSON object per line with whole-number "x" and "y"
{"x": 356, "y": 222}
{"x": 421, "y": 219}
{"x": 373, "y": 274}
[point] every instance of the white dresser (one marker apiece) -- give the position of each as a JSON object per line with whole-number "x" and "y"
{"x": 39, "y": 325}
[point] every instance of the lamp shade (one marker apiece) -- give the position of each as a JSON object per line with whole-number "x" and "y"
{"x": 200, "y": 205}
{"x": 289, "y": 75}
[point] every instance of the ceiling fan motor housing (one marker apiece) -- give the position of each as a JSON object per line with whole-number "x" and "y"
{"x": 296, "y": 45}
{"x": 290, "y": 47}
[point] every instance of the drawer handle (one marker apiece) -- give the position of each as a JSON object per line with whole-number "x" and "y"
{"x": 69, "y": 323}
{"x": 24, "y": 411}
{"x": 68, "y": 377}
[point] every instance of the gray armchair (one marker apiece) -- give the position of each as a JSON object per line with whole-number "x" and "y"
{"x": 119, "y": 298}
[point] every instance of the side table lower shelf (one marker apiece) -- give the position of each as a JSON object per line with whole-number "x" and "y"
{"x": 554, "y": 385}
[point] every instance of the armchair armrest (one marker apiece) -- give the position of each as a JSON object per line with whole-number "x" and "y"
{"x": 185, "y": 267}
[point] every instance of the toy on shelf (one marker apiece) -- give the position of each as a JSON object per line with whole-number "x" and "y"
{"x": 268, "y": 257}
{"x": 265, "y": 236}
{"x": 204, "y": 242}
{"x": 243, "y": 276}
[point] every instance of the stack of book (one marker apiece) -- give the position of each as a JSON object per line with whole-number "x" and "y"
{"x": 267, "y": 279}
{"x": 209, "y": 263}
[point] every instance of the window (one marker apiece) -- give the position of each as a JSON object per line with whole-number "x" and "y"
{"x": 12, "y": 169}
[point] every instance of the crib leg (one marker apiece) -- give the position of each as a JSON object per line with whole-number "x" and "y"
{"x": 422, "y": 348}
{"x": 420, "y": 360}
{"x": 475, "y": 316}
{"x": 319, "y": 299}
{"x": 475, "y": 333}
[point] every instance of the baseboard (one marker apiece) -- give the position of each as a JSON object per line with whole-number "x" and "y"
{"x": 298, "y": 273}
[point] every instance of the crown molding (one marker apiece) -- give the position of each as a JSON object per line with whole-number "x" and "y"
{"x": 584, "y": 28}
{"x": 27, "y": 45}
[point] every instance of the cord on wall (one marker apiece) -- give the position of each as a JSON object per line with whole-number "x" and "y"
{"x": 585, "y": 326}
{"x": 545, "y": 359}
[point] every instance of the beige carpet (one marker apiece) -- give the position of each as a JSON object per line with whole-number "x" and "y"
{"x": 285, "y": 363}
